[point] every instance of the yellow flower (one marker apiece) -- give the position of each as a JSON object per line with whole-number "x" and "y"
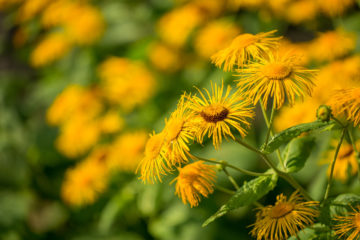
{"x": 285, "y": 218}
{"x": 127, "y": 151}
{"x": 77, "y": 136}
{"x": 84, "y": 24}
{"x": 301, "y": 11}
{"x": 175, "y": 26}
{"x": 331, "y": 45}
{"x": 348, "y": 227}
{"x": 154, "y": 163}
{"x": 215, "y": 113}
{"x": 4, "y": 4}
{"x": 243, "y": 48}
{"x": 165, "y": 58}
{"x": 194, "y": 180}
{"x": 125, "y": 82}
{"x": 346, "y": 160}
{"x": 85, "y": 182}
{"x": 53, "y": 47}
{"x": 214, "y": 36}
{"x": 335, "y": 7}
{"x": 347, "y": 102}
{"x": 56, "y": 13}
{"x": 279, "y": 77}
{"x": 30, "y": 8}
{"x": 111, "y": 122}
{"x": 299, "y": 49}
{"x": 178, "y": 132}
{"x": 301, "y": 112}
{"x": 74, "y": 100}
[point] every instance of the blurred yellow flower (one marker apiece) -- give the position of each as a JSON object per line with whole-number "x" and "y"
{"x": 215, "y": 36}
{"x": 56, "y": 12}
{"x": 347, "y": 102}
{"x": 301, "y": 11}
{"x": 299, "y": 49}
{"x": 178, "y": 132}
{"x": 216, "y": 113}
{"x": 331, "y": 45}
{"x": 30, "y": 8}
{"x": 346, "y": 161}
{"x": 243, "y": 48}
{"x": 165, "y": 58}
{"x": 53, "y": 47}
{"x": 285, "y": 218}
{"x": 84, "y": 24}
{"x": 335, "y": 7}
{"x": 125, "y": 82}
{"x": 194, "y": 180}
{"x": 74, "y": 100}
{"x": 236, "y": 4}
{"x": 301, "y": 112}
{"x": 348, "y": 227}
{"x": 77, "y": 136}
{"x": 279, "y": 77}
{"x": 84, "y": 183}
{"x": 175, "y": 26}
{"x": 127, "y": 150}
{"x": 4, "y": 4}
{"x": 154, "y": 163}
{"x": 111, "y": 122}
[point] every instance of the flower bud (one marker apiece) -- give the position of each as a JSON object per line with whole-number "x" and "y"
{"x": 323, "y": 113}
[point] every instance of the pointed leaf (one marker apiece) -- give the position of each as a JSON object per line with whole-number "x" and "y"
{"x": 249, "y": 193}
{"x": 285, "y": 136}
{"x": 297, "y": 152}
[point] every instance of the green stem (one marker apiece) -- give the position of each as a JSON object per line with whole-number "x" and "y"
{"x": 280, "y": 173}
{"x": 231, "y": 179}
{"x": 333, "y": 164}
{"x": 338, "y": 121}
{"x": 225, "y": 190}
{"x": 269, "y": 126}
{"x": 225, "y": 164}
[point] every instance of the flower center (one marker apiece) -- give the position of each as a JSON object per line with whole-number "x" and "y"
{"x": 356, "y": 220}
{"x": 153, "y": 146}
{"x": 281, "y": 209}
{"x": 244, "y": 40}
{"x": 214, "y": 113}
{"x": 174, "y": 128}
{"x": 276, "y": 71}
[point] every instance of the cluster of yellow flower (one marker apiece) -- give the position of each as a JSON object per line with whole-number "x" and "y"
{"x": 85, "y": 114}
{"x": 269, "y": 68}
{"x": 207, "y": 27}
{"x": 67, "y": 23}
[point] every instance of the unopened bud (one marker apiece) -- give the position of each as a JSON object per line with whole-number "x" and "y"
{"x": 323, "y": 113}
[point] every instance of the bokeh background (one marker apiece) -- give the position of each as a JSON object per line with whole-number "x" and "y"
{"x": 83, "y": 83}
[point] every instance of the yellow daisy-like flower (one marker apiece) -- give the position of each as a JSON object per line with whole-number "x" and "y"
{"x": 243, "y": 48}
{"x": 347, "y": 102}
{"x": 178, "y": 131}
{"x": 194, "y": 180}
{"x": 285, "y": 218}
{"x": 348, "y": 227}
{"x": 279, "y": 77}
{"x": 154, "y": 164}
{"x": 216, "y": 113}
{"x": 346, "y": 159}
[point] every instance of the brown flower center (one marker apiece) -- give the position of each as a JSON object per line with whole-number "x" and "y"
{"x": 281, "y": 209}
{"x": 214, "y": 113}
{"x": 276, "y": 71}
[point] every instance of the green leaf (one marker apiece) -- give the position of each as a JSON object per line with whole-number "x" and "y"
{"x": 316, "y": 232}
{"x": 297, "y": 152}
{"x": 343, "y": 203}
{"x": 285, "y": 136}
{"x": 249, "y": 193}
